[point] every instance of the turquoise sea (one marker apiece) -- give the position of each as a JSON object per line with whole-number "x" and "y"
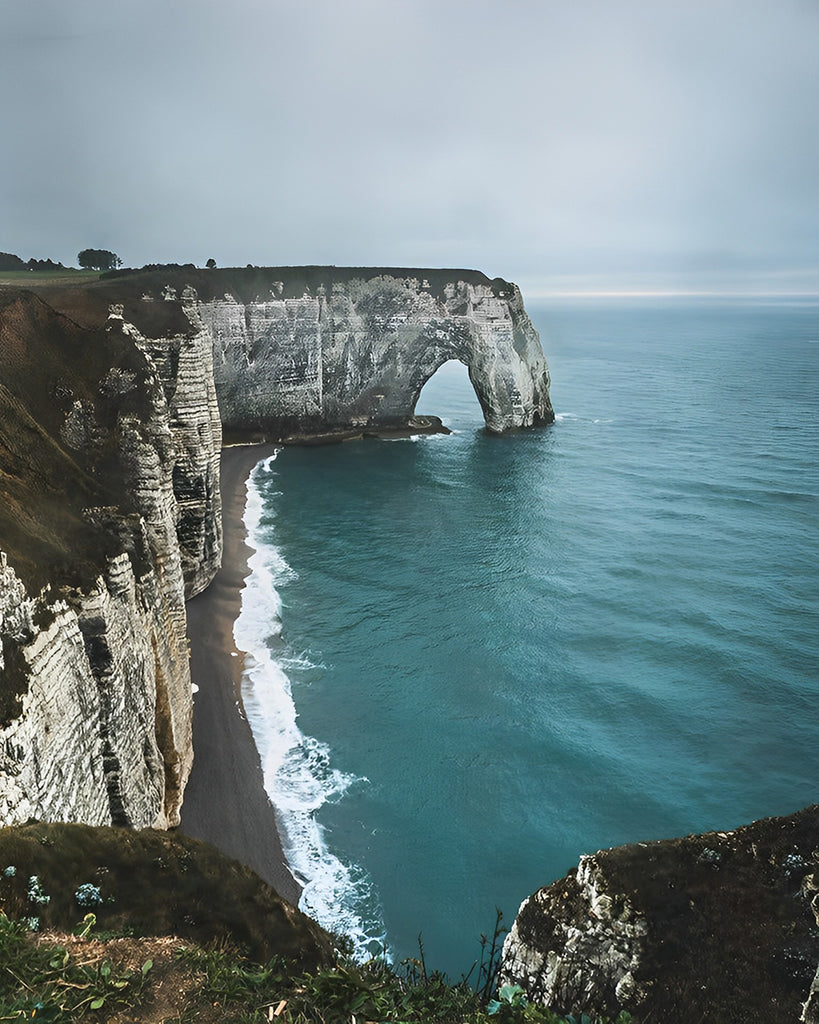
{"x": 475, "y": 658}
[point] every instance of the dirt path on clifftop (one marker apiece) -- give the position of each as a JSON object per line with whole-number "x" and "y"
{"x": 225, "y": 800}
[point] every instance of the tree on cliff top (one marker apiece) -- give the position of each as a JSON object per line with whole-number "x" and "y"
{"x": 98, "y": 259}
{"x": 8, "y": 261}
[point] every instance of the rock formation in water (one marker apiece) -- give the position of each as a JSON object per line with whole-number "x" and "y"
{"x": 338, "y": 352}
{"x": 112, "y": 397}
{"x": 719, "y": 927}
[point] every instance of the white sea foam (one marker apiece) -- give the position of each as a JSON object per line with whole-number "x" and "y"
{"x": 298, "y": 773}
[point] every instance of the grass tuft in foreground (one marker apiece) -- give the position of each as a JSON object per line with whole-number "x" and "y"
{"x": 43, "y": 981}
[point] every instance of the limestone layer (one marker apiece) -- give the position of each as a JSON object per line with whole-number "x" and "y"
{"x": 356, "y": 353}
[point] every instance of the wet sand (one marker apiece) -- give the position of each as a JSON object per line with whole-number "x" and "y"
{"x": 225, "y": 800}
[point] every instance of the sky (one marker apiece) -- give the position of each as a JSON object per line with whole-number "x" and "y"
{"x": 568, "y": 145}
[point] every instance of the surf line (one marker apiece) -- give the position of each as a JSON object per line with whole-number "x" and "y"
{"x": 298, "y": 774}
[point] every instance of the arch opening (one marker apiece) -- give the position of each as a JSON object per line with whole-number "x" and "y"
{"x": 449, "y": 394}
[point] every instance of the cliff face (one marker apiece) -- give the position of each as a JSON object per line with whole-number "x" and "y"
{"x": 313, "y": 350}
{"x": 184, "y": 367}
{"x": 720, "y": 926}
{"x": 96, "y": 694}
{"x": 111, "y": 402}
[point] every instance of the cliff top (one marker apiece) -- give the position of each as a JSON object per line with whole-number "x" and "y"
{"x": 729, "y": 921}
{"x": 88, "y": 304}
{"x": 250, "y": 280}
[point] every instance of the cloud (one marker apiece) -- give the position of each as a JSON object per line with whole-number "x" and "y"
{"x": 534, "y": 140}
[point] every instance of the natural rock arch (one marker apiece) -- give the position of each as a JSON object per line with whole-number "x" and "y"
{"x": 356, "y": 352}
{"x": 434, "y": 395}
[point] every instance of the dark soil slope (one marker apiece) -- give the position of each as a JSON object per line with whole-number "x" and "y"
{"x": 48, "y": 363}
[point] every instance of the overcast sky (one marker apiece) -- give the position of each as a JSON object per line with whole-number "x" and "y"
{"x": 563, "y": 144}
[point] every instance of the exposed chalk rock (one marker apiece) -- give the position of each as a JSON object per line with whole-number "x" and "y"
{"x": 591, "y": 952}
{"x": 184, "y": 366}
{"x": 96, "y": 695}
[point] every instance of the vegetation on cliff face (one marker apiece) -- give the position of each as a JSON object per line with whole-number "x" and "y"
{"x": 50, "y": 364}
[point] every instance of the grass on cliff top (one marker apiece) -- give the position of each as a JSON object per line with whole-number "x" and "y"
{"x": 122, "y": 980}
{"x": 150, "y": 882}
{"x": 33, "y": 278}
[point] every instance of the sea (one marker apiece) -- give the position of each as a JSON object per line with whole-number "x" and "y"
{"x": 473, "y": 658}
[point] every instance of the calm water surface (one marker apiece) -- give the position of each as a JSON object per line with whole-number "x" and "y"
{"x": 506, "y": 651}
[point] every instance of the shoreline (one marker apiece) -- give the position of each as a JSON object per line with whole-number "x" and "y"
{"x": 225, "y": 801}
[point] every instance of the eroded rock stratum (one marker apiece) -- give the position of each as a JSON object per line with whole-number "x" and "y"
{"x": 110, "y": 516}
{"x": 112, "y": 401}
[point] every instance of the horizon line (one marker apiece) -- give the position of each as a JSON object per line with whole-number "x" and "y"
{"x": 669, "y": 293}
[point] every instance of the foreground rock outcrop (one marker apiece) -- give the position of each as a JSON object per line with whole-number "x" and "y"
{"x": 112, "y": 400}
{"x": 715, "y": 927}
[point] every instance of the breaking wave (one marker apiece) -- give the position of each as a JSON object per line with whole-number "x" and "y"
{"x": 298, "y": 774}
